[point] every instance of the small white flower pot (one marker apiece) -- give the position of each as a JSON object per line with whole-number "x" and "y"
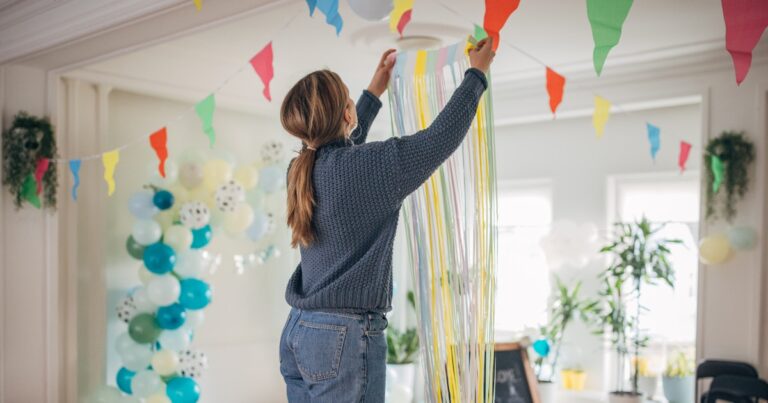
{"x": 400, "y": 379}
{"x": 647, "y": 385}
{"x": 678, "y": 389}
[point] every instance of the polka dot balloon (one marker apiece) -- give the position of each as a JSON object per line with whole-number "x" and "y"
{"x": 194, "y": 215}
{"x": 192, "y": 363}
{"x": 272, "y": 152}
{"x": 229, "y": 196}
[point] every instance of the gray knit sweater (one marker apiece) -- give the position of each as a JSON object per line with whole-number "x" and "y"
{"x": 359, "y": 188}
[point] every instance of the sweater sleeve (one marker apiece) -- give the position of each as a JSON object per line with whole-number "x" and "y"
{"x": 367, "y": 107}
{"x": 419, "y": 155}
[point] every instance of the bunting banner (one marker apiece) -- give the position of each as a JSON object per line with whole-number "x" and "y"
{"x": 400, "y": 16}
{"x": 110, "y": 159}
{"x": 450, "y": 229}
{"x": 158, "y": 141}
{"x": 497, "y": 13}
{"x": 74, "y": 168}
{"x": 331, "y": 10}
{"x": 745, "y": 22}
{"x": 555, "y": 88}
{"x": 205, "y": 110}
{"x": 682, "y": 158}
{"x": 601, "y": 115}
{"x": 606, "y": 17}
{"x": 262, "y": 64}
{"x": 654, "y": 138}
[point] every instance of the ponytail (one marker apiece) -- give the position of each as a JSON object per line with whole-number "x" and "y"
{"x": 301, "y": 198}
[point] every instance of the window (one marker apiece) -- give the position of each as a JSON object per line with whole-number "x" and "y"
{"x": 525, "y": 214}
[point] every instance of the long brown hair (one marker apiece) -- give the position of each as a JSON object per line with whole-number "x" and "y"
{"x": 313, "y": 111}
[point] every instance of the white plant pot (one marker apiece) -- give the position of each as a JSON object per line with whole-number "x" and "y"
{"x": 400, "y": 383}
{"x": 647, "y": 385}
{"x": 628, "y": 397}
{"x": 678, "y": 389}
{"x": 549, "y": 392}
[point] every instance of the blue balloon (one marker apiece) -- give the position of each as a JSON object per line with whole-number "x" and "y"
{"x": 171, "y": 317}
{"x": 271, "y": 178}
{"x": 201, "y": 237}
{"x": 163, "y": 199}
{"x": 195, "y": 294}
{"x": 141, "y": 206}
{"x": 182, "y": 390}
{"x": 259, "y": 227}
{"x": 159, "y": 258}
{"x": 541, "y": 347}
{"x": 124, "y": 377}
{"x": 742, "y": 238}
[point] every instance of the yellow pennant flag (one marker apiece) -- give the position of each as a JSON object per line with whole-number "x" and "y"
{"x": 601, "y": 115}
{"x": 199, "y": 4}
{"x": 110, "y": 159}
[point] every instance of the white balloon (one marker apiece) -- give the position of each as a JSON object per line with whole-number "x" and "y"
{"x": 123, "y": 343}
{"x": 146, "y": 383}
{"x": 146, "y": 232}
{"x": 371, "y": 10}
{"x": 175, "y": 340}
{"x": 142, "y": 302}
{"x": 137, "y": 357}
{"x": 195, "y": 318}
{"x": 272, "y": 152}
{"x": 145, "y": 276}
{"x": 194, "y": 215}
{"x": 163, "y": 290}
{"x": 171, "y": 174}
{"x": 158, "y": 398}
{"x": 190, "y": 263}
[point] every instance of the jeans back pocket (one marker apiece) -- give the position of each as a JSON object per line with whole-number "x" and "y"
{"x": 317, "y": 348}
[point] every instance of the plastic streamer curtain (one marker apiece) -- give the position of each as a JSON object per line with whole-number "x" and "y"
{"x": 450, "y": 229}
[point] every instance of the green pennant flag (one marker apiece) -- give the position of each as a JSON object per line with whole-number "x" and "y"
{"x": 205, "y": 110}
{"x": 480, "y": 33}
{"x": 606, "y": 18}
{"x": 717, "y": 173}
{"x": 29, "y": 191}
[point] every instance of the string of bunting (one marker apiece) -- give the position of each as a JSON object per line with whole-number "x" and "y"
{"x": 745, "y": 22}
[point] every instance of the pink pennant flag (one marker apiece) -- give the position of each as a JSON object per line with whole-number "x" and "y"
{"x": 263, "y": 65}
{"x": 685, "y": 150}
{"x": 40, "y": 170}
{"x": 745, "y": 22}
{"x": 405, "y": 19}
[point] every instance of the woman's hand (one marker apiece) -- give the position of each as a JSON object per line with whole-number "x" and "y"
{"x": 380, "y": 78}
{"x": 481, "y": 56}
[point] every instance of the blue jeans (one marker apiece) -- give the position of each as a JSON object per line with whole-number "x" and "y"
{"x": 334, "y": 357}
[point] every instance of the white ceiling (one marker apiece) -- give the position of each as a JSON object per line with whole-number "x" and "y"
{"x": 555, "y": 31}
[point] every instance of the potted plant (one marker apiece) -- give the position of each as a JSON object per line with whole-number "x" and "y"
{"x": 647, "y": 380}
{"x": 728, "y": 157}
{"x": 678, "y": 380}
{"x": 638, "y": 258}
{"x": 402, "y": 348}
{"x": 573, "y": 378}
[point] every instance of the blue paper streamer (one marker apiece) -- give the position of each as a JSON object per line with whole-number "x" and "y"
{"x": 331, "y": 10}
{"x": 74, "y": 167}
{"x": 654, "y": 138}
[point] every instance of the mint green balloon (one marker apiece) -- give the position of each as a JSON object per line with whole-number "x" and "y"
{"x": 135, "y": 249}
{"x": 143, "y": 328}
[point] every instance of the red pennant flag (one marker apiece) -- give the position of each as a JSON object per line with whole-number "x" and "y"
{"x": 404, "y": 20}
{"x": 262, "y": 64}
{"x": 159, "y": 142}
{"x": 496, "y": 14}
{"x": 555, "y": 87}
{"x": 40, "y": 170}
{"x": 685, "y": 150}
{"x": 745, "y": 21}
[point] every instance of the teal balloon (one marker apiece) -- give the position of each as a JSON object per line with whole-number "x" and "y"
{"x": 201, "y": 237}
{"x": 135, "y": 249}
{"x": 182, "y": 390}
{"x": 195, "y": 294}
{"x": 143, "y": 329}
{"x": 271, "y": 178}
{"x": 541, "y": 347}
{"x": 171, "y": 317}
{"x": 159, "y": 258}
{"x": 163, "y": 199}
{"x": 124, "y": 377}
{"x": 742, "y": 238}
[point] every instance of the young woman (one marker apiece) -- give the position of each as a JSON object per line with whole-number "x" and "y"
{"x": 344, "y": 198}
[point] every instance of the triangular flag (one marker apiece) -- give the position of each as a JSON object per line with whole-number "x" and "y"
{"x": 263, "y": 65}
{"x": 74, "y": 167}
{"x": 606, "y": 18}
{"x": 496, "y": 14}
{"x": 331, "y": 10}
{"x": 480, "y": 33}
{"x": 205, "y": 110}
{"x": 199, "y": 4}
{"x": 555, "y": 87}
{"x": 601, "y": 114}
{"x": 717, "y": 172}
{"x": 29, "y": 191}
{"x": 654, "y": 137}
{"x": 110, "y": 159}
{"x": 159, "y": 142}
{"x": 40, "y": 170}
{"x": 745, "y": 22}
{"x": 398, "y": 18}
{"x": 682, "y": 158}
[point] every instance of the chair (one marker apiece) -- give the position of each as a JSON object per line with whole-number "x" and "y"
{"x": 714, "y": 368}
{"x": 737, "y": 389}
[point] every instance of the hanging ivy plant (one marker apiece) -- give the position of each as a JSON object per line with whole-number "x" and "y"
{"x": 28, "y": 140}
{"x": 727, "y": 159}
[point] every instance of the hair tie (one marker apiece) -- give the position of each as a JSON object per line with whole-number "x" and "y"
{"x": 311, "y": 148}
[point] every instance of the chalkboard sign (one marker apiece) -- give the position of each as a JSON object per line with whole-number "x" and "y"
{"x": 515, "y": 381}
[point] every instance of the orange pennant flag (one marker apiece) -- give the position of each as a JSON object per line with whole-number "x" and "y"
{"x": 555, "y": 87}
{"x": 496, "y": 14}
{"x": 159, "y": 141}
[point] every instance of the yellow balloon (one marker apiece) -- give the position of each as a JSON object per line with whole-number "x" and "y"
{"x": 158, "y": 398}
{"x": 216, "y": 173}
{"x": 180, "y": 194}
{"x": 165, "y": 362}
{"x": 178, "y": 237}
{"x": 145, "y": 275}
{"x": 237, "y": 221}
{"x": 165, "y": 218}
{"x": 714, "y": 249}
{"x": 246, "y": 176}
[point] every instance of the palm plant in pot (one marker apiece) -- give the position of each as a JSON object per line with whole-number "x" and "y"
{"x": 402, "y": 348}
{"x": 638, "y": 258}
